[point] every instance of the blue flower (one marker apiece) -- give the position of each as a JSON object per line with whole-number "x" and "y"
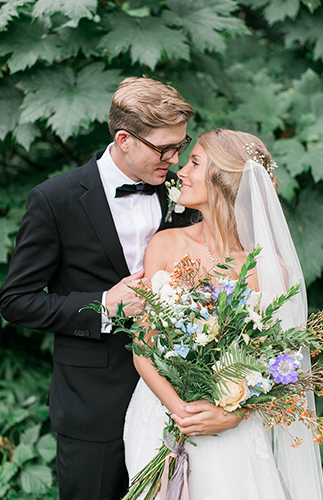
{"x": 204, "y": 313}
{"x": 180, "y": 325}
{"x": 197, "y": 328}
{"x": 181, "y": 350}
{"x": 283, "y": 369}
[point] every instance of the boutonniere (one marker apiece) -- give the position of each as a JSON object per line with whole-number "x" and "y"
{"x": 174, "y": 192}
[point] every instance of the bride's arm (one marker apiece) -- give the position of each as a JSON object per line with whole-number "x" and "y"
{"x": 197, "y": 417}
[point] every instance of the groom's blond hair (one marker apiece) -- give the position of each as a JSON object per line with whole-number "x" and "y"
{"x": 142, "y": 104}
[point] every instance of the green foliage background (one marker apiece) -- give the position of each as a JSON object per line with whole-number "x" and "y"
{"x": 254, "y": 65}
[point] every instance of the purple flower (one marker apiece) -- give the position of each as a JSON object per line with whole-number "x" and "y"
{"x": 212, "y": 290}
{"x": 283, "y": 369}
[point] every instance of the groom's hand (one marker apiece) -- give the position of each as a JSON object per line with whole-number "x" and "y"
{"x": 122, "y": 292}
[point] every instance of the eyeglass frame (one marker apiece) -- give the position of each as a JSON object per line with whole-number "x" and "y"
{"x": 177, "y": 149}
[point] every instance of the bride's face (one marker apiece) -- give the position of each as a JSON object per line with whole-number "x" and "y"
{"x": 194, "y": 191}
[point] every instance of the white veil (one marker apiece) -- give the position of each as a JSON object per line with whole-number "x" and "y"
{"x": 260, "y": 221}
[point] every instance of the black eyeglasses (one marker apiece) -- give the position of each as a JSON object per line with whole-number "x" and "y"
{"x": 165, "y": 154}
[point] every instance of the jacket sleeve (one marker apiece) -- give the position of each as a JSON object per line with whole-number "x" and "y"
{"x": 25, "y": 298}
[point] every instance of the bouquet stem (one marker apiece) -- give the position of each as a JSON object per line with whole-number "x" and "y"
{"x": 151, "y": 474}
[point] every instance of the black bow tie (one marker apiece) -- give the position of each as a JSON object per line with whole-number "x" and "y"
{"x": 127, "y": 189}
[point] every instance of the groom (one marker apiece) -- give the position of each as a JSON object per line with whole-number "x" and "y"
{"x": 82, "y": 240}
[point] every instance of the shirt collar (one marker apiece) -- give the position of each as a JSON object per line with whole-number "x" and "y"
{"x": 111, "y": 175}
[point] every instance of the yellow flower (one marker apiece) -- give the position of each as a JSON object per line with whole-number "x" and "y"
{"x": 237, "y": 391}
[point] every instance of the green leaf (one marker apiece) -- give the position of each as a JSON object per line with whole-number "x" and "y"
{"x": 297, "y": 160}
{"x": 30, "y": 435}
{"x": 200, "y": 90}
{"x": 291, "y": 153}
{"x": 36, "y": 479}
{"x": 147, "y": 38}
{"x": 255, "y": 4}
{"x": 75, "y": 9}
{"x": 9, "y": 10}
{"x": 27, "y": 43}
{"x": 84, "y": 38}
{"x": 23, "y": 453}
{"x": 7, "y": 227}
{"x": 306, "y": 28}
{"x": 287, "y": 185}
{"x": 204, "y": 20}
{"x": 308, "y": 84}
{"x": 278, "y": 10}
{"x": 26, "y": 134}
{"x": 314, "y": 158}
{"x": 7, "y": 471}
{"x": 309, "y": 128}
{"x": 70, "y": 101}
{"x": 10, "y": 102}
{"x": 47, "y": 447}
{"x": 263, "y": 102}
{"x": 17, "y": 415}
{"x": 306, "y": 224}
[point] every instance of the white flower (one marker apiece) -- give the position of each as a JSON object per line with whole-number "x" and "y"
{"x": 168, "y": 294}
{"x": 202, "y": 339}
{"x": 253, "y": 378}
{"x": 256, "y": 318}
{"x": 174, "y": 193}
{"x": 169, "y": 354}
{"x": 159, "y": 279}
{"x": 266, "y": 385}
{"x": 298, "y": 356}
{"x": 178, "y": 208}
{"x": 246, "y": 338}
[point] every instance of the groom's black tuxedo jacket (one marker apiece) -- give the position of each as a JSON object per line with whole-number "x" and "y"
{"x": 67, "y": 253}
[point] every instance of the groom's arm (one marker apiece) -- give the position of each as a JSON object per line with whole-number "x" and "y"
{"x": 25, "y": 299}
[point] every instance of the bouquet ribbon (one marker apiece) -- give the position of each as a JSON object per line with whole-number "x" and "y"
{"x": 175, "y": 488}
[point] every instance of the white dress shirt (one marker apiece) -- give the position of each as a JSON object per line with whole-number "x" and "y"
{"x": 136, "y": 216}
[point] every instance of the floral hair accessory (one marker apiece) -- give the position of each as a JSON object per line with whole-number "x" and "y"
{"x": 174, "y": 192}
{"x": 256, "y": 156}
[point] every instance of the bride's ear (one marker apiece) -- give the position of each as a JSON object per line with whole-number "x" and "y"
{"x": 122, "y": 138}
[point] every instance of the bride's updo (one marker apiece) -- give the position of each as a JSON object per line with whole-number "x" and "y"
{"x": 227, "y": 152}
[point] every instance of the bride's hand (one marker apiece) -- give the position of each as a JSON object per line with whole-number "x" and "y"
{"x": 205, "y": 419}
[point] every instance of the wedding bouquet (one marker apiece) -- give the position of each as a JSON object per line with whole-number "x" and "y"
{"x": 210, "y": 338}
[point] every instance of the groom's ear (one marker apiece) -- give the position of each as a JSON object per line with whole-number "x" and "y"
{"x": 121, "y": 138}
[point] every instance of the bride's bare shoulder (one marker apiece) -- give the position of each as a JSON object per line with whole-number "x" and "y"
{"x": 164, "y": 248}
{"x": 169, "y": 235}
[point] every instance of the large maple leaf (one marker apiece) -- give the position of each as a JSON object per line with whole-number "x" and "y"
{"x": 27, "y": 42}
{"x": 147, "y": 38}
{"x": 10, "y": 102}
{"x": 70, "y": 101}
{"x": 306, "y": 224}
{"x": 205, "y": 21}
{"x": 75, "y": 9}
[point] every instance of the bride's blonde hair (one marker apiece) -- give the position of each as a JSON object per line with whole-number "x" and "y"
{"x": 227, "y": 152}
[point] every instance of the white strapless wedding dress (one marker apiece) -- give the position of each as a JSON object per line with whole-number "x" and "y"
{"x": 238, "y": 464}
{"x": 235, "y": 465}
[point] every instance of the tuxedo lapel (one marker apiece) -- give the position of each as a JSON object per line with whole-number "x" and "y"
{"x": 162, "y": 195}
{"x": 98, "y": 211}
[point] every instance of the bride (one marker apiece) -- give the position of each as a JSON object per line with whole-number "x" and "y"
{"x": 229, "y": 179}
